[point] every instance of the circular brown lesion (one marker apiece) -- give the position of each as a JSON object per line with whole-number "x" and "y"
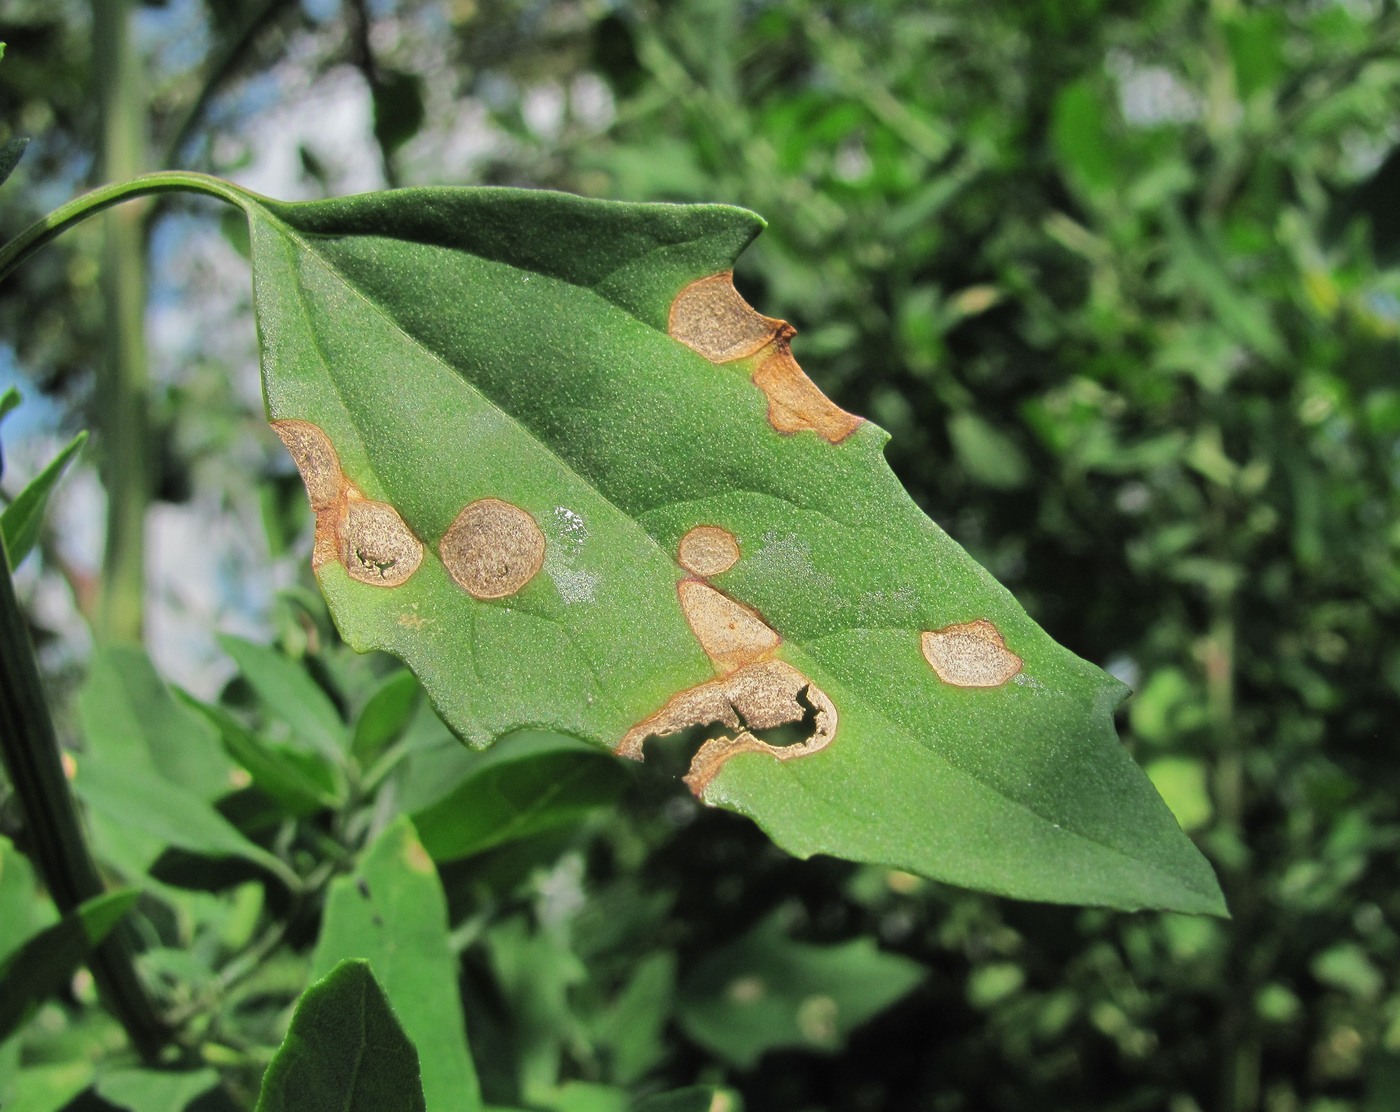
{"x": 708, "y": 550}
{"x": 377, "y": 547}
{"x": 970, "y": 654}
{"x": 493, "y": 549}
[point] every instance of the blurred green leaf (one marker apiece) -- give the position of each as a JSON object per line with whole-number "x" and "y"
{"x": 130, "y": 717}
{"x": 701, "y": 1098}
{"x": 10, "y": 154}
{"x": 526, "y": 784}
{"x": 143, "y": 801}
{"x": 47, "y": 960}
{"x": 148, "y": 1090}
{"x": 766, "y": 992}
{"x": 344, "y": 1052}
{"x": 1183, "y": 784}
{"x": 386, "y": 714}
{"x": 990, "y": 456}
{"x": 631, "y": 1032}
{"x": 290, "y": 696}
{"x": 391, "y": 913}
{"x": 19, "y": 524}
{"x": 301, "y": 782}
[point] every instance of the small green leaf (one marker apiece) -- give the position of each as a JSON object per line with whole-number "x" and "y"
{"x": 44, "y": 963}
{"x": 302, "y": 783}
{"x": 386, "y": 714}
{"x": 344, "y": 1052}
{"x": 290, "y": 695}
{"x": 701, "y": 1098}
{"x": 142, "y": 1090}
{"x": 10, "y": 154}
{"x": 130, "y": 717}
{"x": 393, "y": 914}
{"x": 19, "y": 524}
{"x": 143, "y": 801}
{"x": 766, "y": 991}
{"x": 526, "y": 784}
{"x": 20, "y": 913}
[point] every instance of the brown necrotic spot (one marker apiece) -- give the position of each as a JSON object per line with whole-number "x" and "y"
{"x": 710, "y": 317}
{"x": 708, "y": 550}
{"x": 376, "y": 546}
{"x": 796, "y": 403}
{"x": 761, "y": 696}
{"x": 731, "y": 634}
{"x": 971, "y": 654}
{"x": 311, "y": 450}
{"x": 493, "y": 549}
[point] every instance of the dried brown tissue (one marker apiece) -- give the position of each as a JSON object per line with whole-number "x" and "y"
{"x": 759, "y": 696}
{"x": 754, "y": 691}
{"x": 368, "y": 537}
{"x": 492, "y": 549}
{"x": 710, "y": 317}
{"x": 970, "y": 654}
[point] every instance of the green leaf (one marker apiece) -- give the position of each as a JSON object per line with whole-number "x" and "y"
{"x": 47, "y": 1088}
{"x": 10, "y": 154}
{"x": 344, "y": 1052}
{"x": 505, "y": 446}
{"x": 290, "y": 695}
{"x": 142, "y": 801}
{"x": 302, "y": 783}
{"x": 701, "y": 1098}
{"x": 141, "y": 1090}
{"x": 386, "y": 714}
{"x": 392, "y": 913}
{"x": 19, "y": 524}
{"x": 20, "y": 913}
{"x": 46, "y": 962}
{"x": 129, "y": 716}
{"x": 527, "y": 784}
{"x": 766, "y": 991}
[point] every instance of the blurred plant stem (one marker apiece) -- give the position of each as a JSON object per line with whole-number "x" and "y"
{"x": 122, "y": 417}
{"x": 32, "y": 762}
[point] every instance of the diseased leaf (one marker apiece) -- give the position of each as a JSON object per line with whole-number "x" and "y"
{"x": 20, "y": 522}
{"x": 766, "y": 991}
{"x": 344, "y": 1052}
{"x": 561, "y": 469}
{"x": 45, "y": 962}
{"x": 393, "y": 914}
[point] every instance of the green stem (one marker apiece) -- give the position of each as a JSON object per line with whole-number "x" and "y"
{"x": 122, "y": 416}
{"x": 38, "y": 234}
{"x": 29, "y": 747}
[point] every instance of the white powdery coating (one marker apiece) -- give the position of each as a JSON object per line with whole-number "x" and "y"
{"x": 573, "y": 584}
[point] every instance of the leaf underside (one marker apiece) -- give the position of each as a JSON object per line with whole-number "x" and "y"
{"x": 512, "y": 407}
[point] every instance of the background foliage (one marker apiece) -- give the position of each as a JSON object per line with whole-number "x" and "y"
{"x": 1120, "y": 279}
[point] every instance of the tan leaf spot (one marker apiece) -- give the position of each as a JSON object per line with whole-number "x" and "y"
{"x": 492, "y": 549}
{"x": 795, "y": 402}
{"x": 311, "y": 450}
{"x": 759, "y": 696}
{"x": 708, "y": 550}
{"x": 972, "y": 654}
{"x": 710, "y": 317}
{"x": 376, "y": 546}
{"x": 731, "y": 634}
